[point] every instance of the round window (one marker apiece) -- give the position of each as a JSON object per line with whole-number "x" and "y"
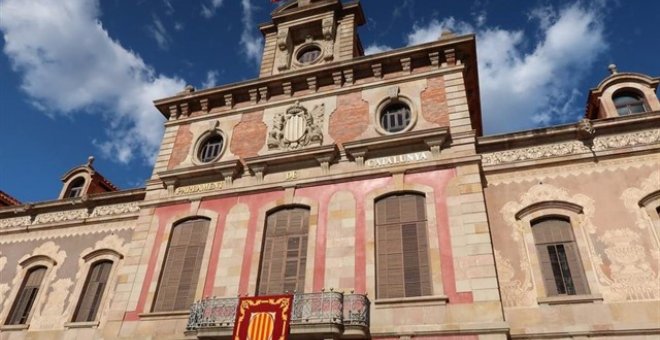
{"x": 309, "y": 54}
{"x": 395, "y": 117}
{"x": 210, "y": 148}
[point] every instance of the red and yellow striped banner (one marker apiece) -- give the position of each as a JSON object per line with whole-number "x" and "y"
{"x": 263, "y": 318}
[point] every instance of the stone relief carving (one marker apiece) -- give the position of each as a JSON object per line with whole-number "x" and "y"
{"x": 61, "y": 216}
{"x": 56, "y": 233}
{"x": 573, "y": 147}
{"x": 514, "y": 292}
{"x": 52, "y": 316}
{"x": 15, "y": 222}
{"x": 632, "y": 277}
{"x": 115, "y": 209}
{"x": 296, "y": 128}
{"x": 328, "y": 26}
{"x": 191, "y": 189}
{"x": 284, "y": 45}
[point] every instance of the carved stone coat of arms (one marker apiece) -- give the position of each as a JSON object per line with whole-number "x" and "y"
{"x": 296, "y": 128}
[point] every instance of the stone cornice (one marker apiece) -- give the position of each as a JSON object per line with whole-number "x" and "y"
{"x": 227, "y": 169}
{"x": 93, "y": 205}
{"x": 434, "y": 139}
{"x": 434, "y": 55}
{"x": 560, "y": 144}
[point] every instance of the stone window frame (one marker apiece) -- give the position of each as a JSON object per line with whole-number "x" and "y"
{"x": 87, "y": 260}
{"x": 574, "y": 213}
{"x": 634, "y": 92}
{"x": 24, "y": 268}
{"x": 274, "y": 205}
{"x": 394, "y": 100}
{"x": 649, "y": 204}
{"x": 200, "y": 142}
{"x": 160, "y": 260}
{"x": 435, "y": 264}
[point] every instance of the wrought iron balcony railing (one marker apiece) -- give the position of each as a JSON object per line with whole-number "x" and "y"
{"x": 313, "y": 308}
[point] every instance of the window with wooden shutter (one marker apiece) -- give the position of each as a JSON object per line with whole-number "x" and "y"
{"x": 284, "y": 252}
{"x": 561, "y": 267}
{"x": 183, "y": 262}
{"x": 92, "y": 292}
{"x": 26, "y": 296}
{"x": 402, "y": 262}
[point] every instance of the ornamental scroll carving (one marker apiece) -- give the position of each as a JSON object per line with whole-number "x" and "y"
{"x": 61, "y": 216}
{"x": 15, "y": 222}
{"x": 297, "y": 128}
{"x": 573, "y": 147}
{"x": 115, "y": 209}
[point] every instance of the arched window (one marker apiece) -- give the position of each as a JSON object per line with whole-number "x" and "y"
{"x": 75, "y": 188}
{"x": 558, "y": 256}
{"x": 402, "y": 263}
{"x": 629, "y": 102}
{"x": 183, "y": 261}
{"x": 92, "y": 292}
{"x": 284, "y": 252}
{"x": 395, "y": 117}
{"x": 210, "y": 148}
{"x": 26, "y": 296}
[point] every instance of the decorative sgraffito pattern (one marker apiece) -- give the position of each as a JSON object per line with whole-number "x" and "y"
{"x": 631, "y": 198}
{"x": 115, "y": 209}
{"x": 573, "y": 147}
{"x": 514, "y": 292}
{"x": 52, "y": 316}
{"x": 4, "y": 288}
{"x": 632, "y": 277}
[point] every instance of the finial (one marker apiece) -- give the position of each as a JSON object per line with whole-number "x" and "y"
{"x": 613, "y": 69}
{"x": 90, "y": 160}
{"x": 446, "y": 34}
{"x": 189, "y": 89}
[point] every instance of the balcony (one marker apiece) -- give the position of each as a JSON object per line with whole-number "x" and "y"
{"x": 324, "y": 315}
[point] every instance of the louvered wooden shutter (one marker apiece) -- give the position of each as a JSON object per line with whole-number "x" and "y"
{"x": 402, "y": 264}
{"x": 97, "y": 280}
{"x": 284, "y": 252}
{"x": 183, "y": 263}
{"x": 26, "y": 296}
{"x": 556, "y": 248}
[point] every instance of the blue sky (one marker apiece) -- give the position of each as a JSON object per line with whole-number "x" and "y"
{"x": 77, "y": 77}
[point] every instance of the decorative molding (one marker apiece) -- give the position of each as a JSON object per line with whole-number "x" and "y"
{"x": 297, "y": 128}
{"x": 52, "y": 315}
{"x": 646, "y": 137}
{"x": 115, "y": 209}
{"x": 514, "y": 292}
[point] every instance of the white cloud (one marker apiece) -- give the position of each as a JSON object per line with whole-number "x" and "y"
{"x": 376, "y": 48}
{"x": 251, "y": 43}
{"x": 69, "y": 63}
{"x": 208, "y": 10}
{"x": 211, "y": 79}
{"x": 159, "y": 33}
{"x": 178, "y": 26}
{"x": 524, "y": 87}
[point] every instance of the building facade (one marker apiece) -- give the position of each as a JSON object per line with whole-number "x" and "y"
{"x": 362, "y": 186}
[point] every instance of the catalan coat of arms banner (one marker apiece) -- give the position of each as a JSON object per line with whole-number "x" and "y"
{"x": 263, "y": 318}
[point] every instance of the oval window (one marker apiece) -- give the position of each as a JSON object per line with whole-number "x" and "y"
{"x": 309, "y": 54}
{"x": 395, "y": 117}
{"x": 210, "y": 149}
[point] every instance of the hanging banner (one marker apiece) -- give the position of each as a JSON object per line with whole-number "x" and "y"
{"x": 263, "y": 318}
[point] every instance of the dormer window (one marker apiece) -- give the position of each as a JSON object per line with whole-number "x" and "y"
{"x": 628, "y": 102}
{"x": 75, "y": 188}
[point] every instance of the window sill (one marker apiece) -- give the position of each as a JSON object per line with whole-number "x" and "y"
{"x": 177, "y": 314}
{"x": 411, "y": 301}
{"x": 569, "y": 299}
{"x": 84, "y": 324}
{"x": 8, "y": 328}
